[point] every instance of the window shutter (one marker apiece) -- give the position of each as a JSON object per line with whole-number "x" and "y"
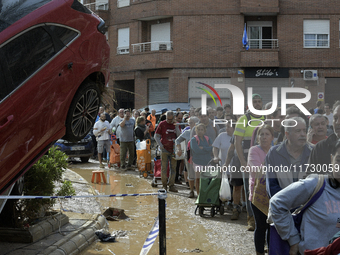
{"x": 123, "y": 37}
{"x": 316, "y": 26}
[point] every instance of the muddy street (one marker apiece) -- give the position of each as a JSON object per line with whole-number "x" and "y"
{"x": 186, "y": 232}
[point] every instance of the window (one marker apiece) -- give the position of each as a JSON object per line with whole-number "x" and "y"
{"x": 260, "y": 34}
{"x": 12, "y": 11}
{"x": 64, "y": 34}
{"x": 123, "y": 41}
{"x": 316, "y": 33}
{"x": 158, "y": 91}
{"x": 27, "y": 53}
{"x": 160, "y": 36}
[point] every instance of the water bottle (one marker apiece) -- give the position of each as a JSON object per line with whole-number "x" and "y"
{"x": 137, "y": 144}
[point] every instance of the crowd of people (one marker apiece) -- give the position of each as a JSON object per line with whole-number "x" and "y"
{"x": 274, "y": 163}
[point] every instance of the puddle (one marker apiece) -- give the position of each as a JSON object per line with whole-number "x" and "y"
{"x": 184, "y": 233}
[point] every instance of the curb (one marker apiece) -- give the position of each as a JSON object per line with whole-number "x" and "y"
{"x": 77, "y": 240}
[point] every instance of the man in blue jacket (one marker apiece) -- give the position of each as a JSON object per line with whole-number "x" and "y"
{"x": 286, "y": 162}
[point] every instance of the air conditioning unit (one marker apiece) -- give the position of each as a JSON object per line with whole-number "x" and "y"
{"x": 310, "y": 75}
{"x": 162, "y": 47}
{"x": 165, "y": 46}
{"x": 123, "y": 51}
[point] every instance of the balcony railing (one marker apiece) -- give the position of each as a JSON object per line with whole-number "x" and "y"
{"x": 98, "y": 5}
{"x": 123, "y": 3}
{"x": 123, "y": 50}
{"x": 151, "y": 46}
{"x": 263, "y": 43}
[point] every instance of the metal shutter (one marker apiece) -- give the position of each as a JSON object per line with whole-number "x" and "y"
{"x": 263, "y": 87}
{"x": 158, "y": 91}
{"x": 332, "y": 90}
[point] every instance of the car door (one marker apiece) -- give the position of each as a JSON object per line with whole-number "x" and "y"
{"x": 8, "y": 131}
{"x": 41, "y": 74}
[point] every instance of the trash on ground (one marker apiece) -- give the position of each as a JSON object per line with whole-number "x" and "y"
{"x": 105, "y": 236}
{"x": 115, "y": 214}
{"x": 128, "y": 185}
{"x": 120, "y": 233}
{"x": 197, "y": 250}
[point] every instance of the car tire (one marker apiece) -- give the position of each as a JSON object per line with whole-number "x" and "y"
{"x": 83, "y": 112}
{"x": 84, "y": 159}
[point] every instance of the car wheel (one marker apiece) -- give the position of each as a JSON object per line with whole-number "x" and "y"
{"x": 84, "y": 159}
{"x": 83, "y": 112}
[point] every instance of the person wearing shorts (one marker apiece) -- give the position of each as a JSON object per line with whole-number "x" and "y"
{"x": 102, "y": 131}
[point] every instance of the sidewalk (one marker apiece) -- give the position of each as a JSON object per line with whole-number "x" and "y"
{"x": 74, "y": 236}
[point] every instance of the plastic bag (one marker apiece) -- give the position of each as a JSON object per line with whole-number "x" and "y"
{"x": 183, "y": 156}
{"x": 225, "y": 193}
{"x": 141, "y": 145}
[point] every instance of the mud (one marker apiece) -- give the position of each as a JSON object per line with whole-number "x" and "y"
{"x": 186, "y": 233}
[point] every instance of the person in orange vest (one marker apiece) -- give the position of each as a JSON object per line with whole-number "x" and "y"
{"x": 152, "y": 118}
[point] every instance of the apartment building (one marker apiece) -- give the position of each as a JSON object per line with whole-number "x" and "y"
{"x": 169, "y": 50}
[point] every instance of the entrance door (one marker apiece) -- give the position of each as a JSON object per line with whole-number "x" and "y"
{"x": 260, "y": 34}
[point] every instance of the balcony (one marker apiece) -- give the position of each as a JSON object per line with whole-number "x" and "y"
{"x": 101, "y": 8}
{"x": 261, "y": 53}
{"x": 152, "y": 46}
{"x": 260, "y": 7}
{"x": 98, "y": 6}
{"x": 263, "y": 43}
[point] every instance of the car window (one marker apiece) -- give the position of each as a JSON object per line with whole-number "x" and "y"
{"x": 64, "y": 34}
{"x": 27, "y": 53}
{"x": 13, "y": 10}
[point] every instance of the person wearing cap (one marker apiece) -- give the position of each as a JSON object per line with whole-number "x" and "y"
{"x": 243, "y": 133}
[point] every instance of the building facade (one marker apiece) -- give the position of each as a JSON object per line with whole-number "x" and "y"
{"x": 169, "y": 50}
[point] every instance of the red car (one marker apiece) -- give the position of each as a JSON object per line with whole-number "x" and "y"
{"x": 54, "y": 64}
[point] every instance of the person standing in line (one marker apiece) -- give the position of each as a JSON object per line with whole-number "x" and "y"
{"x": 293, "y": 153}
{"x": 165, "y": 136}
{"x": 243, "y": 134}
{"x": 201, "y": 150}
{"x": 115, "y": 124}
{"x": 152, "y": 118}
{"x": 127, "y": 141}
{"x": 322, "y": 151}
{"x": 256, "y": 159}
{"x": 102, "y": 131}
{"x": 317, "y": 128}
{"x": 185, "y": 136}
{"x": 318, "y": 107}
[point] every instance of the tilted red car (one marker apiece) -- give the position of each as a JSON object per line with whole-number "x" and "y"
{"x": 54, "y": 60}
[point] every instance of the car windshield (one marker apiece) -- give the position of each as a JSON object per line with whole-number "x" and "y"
{"x": 13, "y": 10}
